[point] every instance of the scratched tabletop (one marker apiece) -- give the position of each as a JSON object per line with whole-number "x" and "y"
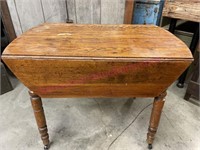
{"x": 74, "y": 40}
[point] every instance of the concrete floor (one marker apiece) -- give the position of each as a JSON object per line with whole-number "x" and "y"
{"x": 98, "y": 124}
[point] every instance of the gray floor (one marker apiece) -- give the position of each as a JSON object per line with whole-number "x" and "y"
{"x": 98, "y": 124}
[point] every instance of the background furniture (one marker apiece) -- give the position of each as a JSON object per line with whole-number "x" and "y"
{"x": 6, "y": 85}
{"x": 143, "y": 12}
{"x": 6, "y": 21}
{"x": 7, "y": 36}
{"x": 147, "y": 12}
{"x": 194, "y": 84}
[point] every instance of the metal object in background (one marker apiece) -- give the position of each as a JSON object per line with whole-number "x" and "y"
{"x": 147, "y": 12}
{"x": 172, "y": 25}
{"x": 68, "y": 20}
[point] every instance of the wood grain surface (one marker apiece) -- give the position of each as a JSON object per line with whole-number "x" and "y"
{"x": 40, "y": 117}
{"x": 107, "y": 41}
{"x": 68, "y": 60}
{"x": 62, "y": 60}
{"x": 155, "y": 116}
{"x": 182, "y": 9}
{"x": 95, "y": 78}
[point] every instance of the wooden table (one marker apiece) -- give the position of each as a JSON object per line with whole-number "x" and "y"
{"x": 68, "y": 60}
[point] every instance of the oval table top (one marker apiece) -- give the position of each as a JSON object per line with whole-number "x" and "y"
{"x": 98, "y": 41}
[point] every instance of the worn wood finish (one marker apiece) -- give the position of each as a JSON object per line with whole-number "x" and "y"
{"x": 96, "y": 60}
{"x": 107, "y": 41}
{"x": 155, "y": 117}
{"x": 185, "y": 10}
{"x": 128, "y": 14}
{"x": 40, "y": 117}
{"x": 6, "y": 18}
{"x": 68, "y": 60}
{"x": 61, "y": 77}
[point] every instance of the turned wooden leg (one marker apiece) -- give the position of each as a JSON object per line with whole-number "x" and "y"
{"x": 155, "y": 117}
{"x": 40, "y": 118}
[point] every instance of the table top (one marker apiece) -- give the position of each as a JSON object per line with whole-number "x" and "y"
{"x": 98, "y": 41}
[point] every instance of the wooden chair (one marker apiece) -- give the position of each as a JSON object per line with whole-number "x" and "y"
{"x": 194, "y": 84}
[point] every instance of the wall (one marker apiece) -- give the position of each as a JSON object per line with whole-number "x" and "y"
{"x": 26, "y": 14}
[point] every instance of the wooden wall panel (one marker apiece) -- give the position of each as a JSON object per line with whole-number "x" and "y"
{"x": 112, "y": 11}
{"x": 83, "y": 10}
{"x": 96, "y": 11}
{"x": 54, "y": 10}
{"x": 30, "y": 13}
{"x": 88, "y": 11}
{"x": 14, "y": 17}
{"x": 26, "y": 14}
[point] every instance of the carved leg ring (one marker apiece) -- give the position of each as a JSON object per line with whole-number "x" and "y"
{"x": 40, "y": 118}
{"x": 155, "y": 118}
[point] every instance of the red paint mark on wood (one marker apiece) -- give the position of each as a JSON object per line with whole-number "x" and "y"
{"x": 115, "y": 71}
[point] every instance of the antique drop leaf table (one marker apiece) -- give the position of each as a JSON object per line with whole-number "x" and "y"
{"x": 71, "y": 60}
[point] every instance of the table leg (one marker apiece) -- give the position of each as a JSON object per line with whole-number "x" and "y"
{"x": 155, "y": 118}
{"x": 40, "y": 118}
{"x": 172, "y": 25}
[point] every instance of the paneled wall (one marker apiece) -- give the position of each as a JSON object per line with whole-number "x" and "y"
{"x": 26, "y": 14}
